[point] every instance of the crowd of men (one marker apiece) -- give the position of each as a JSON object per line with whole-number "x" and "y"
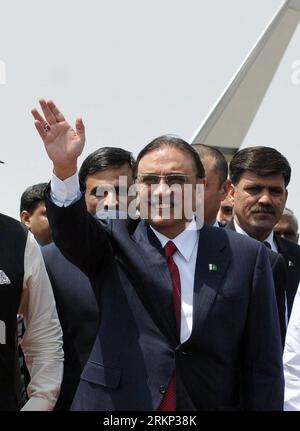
{"x": 165, "y": 283}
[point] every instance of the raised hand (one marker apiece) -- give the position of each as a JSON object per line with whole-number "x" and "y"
{"x": 63, "y": 143}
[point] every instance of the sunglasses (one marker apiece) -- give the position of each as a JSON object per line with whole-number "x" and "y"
{"x": 170, "y": 179}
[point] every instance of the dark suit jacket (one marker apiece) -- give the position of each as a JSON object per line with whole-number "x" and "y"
{"x": 291, "y": 253}
{"x": 280, "y": 282}
{"x": 233, "y": 359}
{"x": 79, "y": 318}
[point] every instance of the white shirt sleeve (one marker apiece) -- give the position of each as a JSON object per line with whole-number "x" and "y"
{"x": 42, "y": 340}
{"x": 291, "y": 358}
{"x": 64, "y": 193}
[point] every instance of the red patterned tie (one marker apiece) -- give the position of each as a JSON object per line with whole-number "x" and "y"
{"x": 169, "y": 401}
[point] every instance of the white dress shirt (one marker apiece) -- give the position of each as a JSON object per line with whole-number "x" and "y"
{"x": 291, "y": 358}
{"x": 42, "y": 340}
{"x": 63, "y": 193}
{"x": 185, "y": 258}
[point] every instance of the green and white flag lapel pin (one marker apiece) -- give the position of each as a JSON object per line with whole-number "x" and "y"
{"x": 212, "y": 267}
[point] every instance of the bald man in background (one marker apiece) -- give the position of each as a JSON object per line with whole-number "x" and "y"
{"x": 287, "y": 227}
{"x": 217, "y": 185}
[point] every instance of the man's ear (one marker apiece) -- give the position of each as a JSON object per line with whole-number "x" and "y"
{"x": 25, "y": 218}
{"x": 286, "y": 194}
{"x": 231, "y": 193}
{"x": 225, "y": 188}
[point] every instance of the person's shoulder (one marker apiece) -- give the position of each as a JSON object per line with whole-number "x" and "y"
{"x": 9, "y": 221}
{"x": 10, "y": 225}
{"x": 119, "y": 224}
{"x": 292, "y": 249}
{"x": 289, "y": 244}
{"x": 54, "y": 258}
{"x": 235, "y": 239}
{"x": 49, "y": 249}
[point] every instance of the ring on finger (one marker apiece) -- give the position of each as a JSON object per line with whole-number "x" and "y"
{"x": 46, "y": 127}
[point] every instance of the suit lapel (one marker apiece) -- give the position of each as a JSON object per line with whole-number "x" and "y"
{"x": 155, "y": 279}
{"x": 213, "y": 258}
{"x": 284, "y": 250}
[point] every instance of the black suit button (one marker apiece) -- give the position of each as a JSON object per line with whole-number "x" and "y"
{"x": 162, "y": 389}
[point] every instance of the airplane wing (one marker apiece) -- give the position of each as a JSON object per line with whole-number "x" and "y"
{"x": 228, "y": 122}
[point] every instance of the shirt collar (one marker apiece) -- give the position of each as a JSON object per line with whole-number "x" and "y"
{"x": 269, "y": 239}
{"x": 185, "y": 241}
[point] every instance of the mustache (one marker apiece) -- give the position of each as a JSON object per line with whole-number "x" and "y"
{"x": 268, "y": 209}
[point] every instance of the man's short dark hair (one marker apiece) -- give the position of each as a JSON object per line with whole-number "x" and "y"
{"x": 262, "y": 161}
{"x": 220, "y": 163}
{"x": 32, "y": 197}
{"x": 180, "y": 144}
{"x": 105, "y": 158}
